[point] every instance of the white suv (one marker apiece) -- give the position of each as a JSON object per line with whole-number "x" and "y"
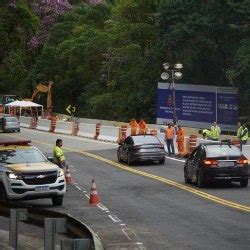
{"x": 25, "y": 173}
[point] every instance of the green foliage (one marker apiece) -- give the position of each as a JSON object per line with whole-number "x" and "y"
{"x": 107, "y": 59}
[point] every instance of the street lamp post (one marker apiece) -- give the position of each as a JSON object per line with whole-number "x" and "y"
{"x": 174, "y": 73}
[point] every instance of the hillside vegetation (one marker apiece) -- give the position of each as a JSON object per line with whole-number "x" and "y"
{"x": 106, "y": 58}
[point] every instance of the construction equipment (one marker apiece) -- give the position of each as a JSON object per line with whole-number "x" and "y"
{"x": 43, "y": 88}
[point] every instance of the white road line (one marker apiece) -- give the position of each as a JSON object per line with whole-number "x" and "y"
{"x": 122, "y": 224}
{"x": 174, "y": 159}
{"x": 78, "y": 188}
{"x": 114, "y": 218}
{"x": 102, "y": 207}
{"x": 107, "y": 211}
{"x": 124, "y": 231}
{"x": 84, "y": 191}
{"x": 87, "y": 196}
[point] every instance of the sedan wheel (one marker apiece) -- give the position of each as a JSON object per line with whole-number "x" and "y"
{"x": 119, "y": 157}
{"x": 244, "y": 182}
{"x": 200, "y": 180}
{"x": 187, "y": 180}
{"x": 129, "y": 160}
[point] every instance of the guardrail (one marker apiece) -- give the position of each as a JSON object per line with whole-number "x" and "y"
{"x": 78, "y": 235}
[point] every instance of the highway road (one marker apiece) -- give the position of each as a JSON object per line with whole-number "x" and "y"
{"x": 146, "y": 206}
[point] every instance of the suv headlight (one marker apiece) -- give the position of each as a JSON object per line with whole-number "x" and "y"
{"x": 60, "y": 173}
{"x": 13, "y": 176}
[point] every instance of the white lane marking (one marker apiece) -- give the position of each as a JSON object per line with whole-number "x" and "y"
{"x": 124, "y": 231}
{"x": 78, "y": 188}
{"x": 107, "y": 211}
{"x": 102, "y": 207}
{"x": 122, "y": 224}
{"x": 174, "y": 159}
{"x": 84, "y": 191}
{"x": 73, "y": 170}
{"x": 87, "y": 195}
{"x": 114, "y": 218}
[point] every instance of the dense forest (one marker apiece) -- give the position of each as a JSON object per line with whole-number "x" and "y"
{"x": 105, "y": 57}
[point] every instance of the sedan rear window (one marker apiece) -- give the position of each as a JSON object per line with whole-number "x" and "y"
{"x": 222, "y": 150}
{"x": 145, "y": 139}
{"x": 11, "y": 119}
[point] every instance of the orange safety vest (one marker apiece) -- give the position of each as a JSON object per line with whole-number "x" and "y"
{"x": 169, "y": 133}
{"x": 133, "y": 125}
{"x": 142, "y": 127}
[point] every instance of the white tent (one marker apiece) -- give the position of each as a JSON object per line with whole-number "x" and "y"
{"x": 23, "y": 104}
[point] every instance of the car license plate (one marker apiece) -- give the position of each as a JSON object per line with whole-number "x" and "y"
{"x": 42, "y": 189}
{"x": 226, "y": 164}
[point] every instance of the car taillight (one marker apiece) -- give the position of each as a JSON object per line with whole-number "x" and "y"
{"x": 210, "y": 162}
{"x": 242, "y": 161}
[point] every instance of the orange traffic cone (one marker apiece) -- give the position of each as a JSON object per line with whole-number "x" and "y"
{"x": 94, "y": 197}
{"x": 68, "y": 176}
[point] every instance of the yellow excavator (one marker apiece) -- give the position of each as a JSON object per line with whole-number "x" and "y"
{"x": 43, "y": 88}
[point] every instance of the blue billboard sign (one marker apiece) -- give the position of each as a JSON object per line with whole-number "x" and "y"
{"x": 197, "y": 106}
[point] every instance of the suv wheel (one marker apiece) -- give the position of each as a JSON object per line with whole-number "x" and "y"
{"x": 57, "y": 200}
{"x": 200, "y": 180}
{"x": 3, "y": 196}
{"x": 244, "y": 182}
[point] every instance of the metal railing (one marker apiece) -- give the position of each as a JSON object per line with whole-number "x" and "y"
{"x": 78, "y": 235}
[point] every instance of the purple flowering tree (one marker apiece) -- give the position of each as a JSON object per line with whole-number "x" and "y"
{"x": 47, "y": 11}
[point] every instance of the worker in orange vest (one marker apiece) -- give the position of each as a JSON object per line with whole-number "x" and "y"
{"x": 143, "y": 128}
{"x": 169, "y": 138}
{"x": 180, "y": 137}
{"x": 134, "y": 125}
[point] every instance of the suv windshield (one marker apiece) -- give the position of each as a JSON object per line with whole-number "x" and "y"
{"x": 21, "y": 156}
{"x": 222, "y": 150}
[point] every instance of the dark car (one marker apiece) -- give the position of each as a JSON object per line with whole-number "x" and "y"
{"x": 216, "y": 161}
{"x": 141, "y": 148}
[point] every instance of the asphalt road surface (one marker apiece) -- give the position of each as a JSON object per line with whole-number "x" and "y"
{"x": 146, "y": 206}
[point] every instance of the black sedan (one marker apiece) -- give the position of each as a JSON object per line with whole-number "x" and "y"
{"x": 141, "y": 148}
{"x": 216, "y": 161}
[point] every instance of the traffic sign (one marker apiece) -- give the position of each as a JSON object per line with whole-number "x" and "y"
{"x": 70, "y": 109}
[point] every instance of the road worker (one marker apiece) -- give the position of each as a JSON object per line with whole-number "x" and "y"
{"x": 59, "y": 158}
{"x": 169, "y": 138}
{"x": 180, "y": 137}
{"x": 242, "y": 134}
{"x": 143, "y": 128}
{"x": 134, "y": 126}
{"x": 215, "y": 132}
{"x": 206, "y": 133}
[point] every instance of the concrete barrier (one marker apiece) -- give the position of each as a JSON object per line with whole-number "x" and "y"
{"x": 24, "y": 121}
{"x": 64, "y": 127}
{"x": 43, "y": 124}
{"x": 87, "y": 130}
{"x": 109, "y": 133}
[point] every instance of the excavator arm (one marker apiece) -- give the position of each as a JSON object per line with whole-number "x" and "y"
{"x": 41, "y": 88}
